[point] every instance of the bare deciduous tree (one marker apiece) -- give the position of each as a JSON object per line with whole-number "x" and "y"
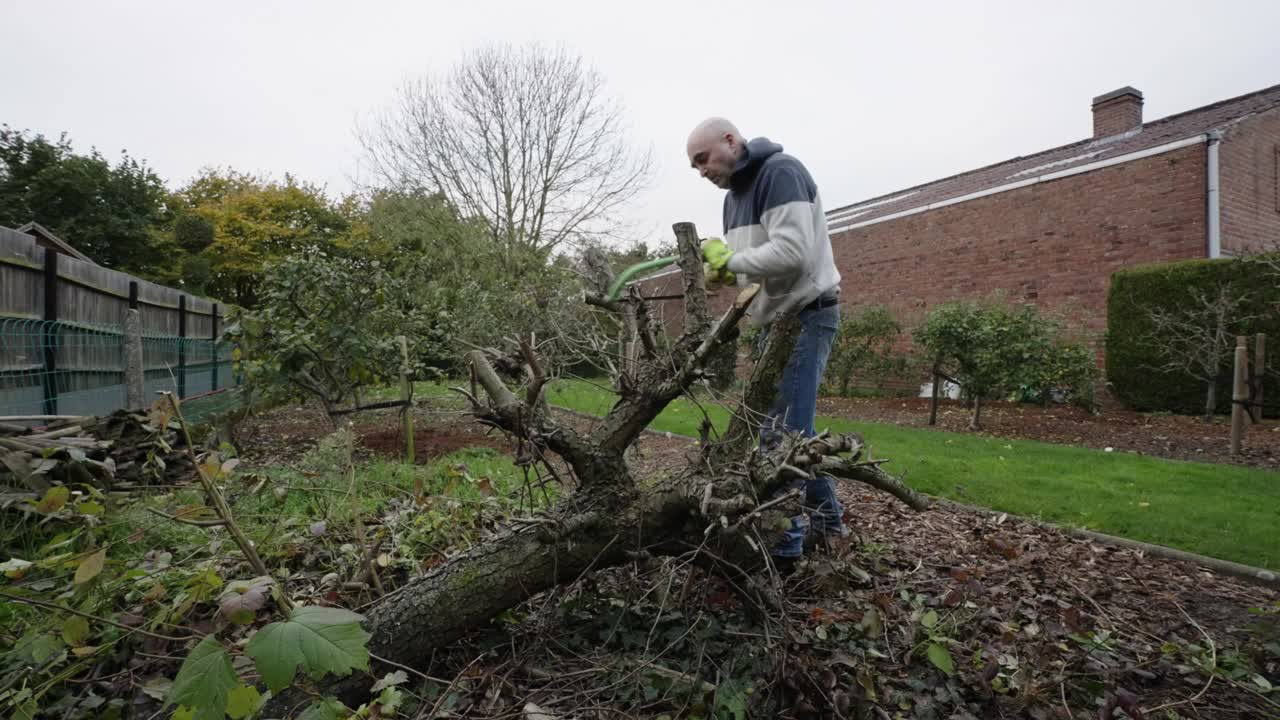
{"x": 523, "y": 138}
{"x": 1199, "y": 340}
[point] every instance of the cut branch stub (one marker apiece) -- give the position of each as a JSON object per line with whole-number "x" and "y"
{"x": 695, "y": 291}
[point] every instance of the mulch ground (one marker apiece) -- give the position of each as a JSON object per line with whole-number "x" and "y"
{"x": 1176, "y": 437}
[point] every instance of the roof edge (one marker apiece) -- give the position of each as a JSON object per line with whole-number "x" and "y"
{"x": 1083, "y": 142}
{"x": 1035, "y": 180}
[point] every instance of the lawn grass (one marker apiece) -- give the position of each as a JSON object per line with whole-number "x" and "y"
{"x": 1222, "y": 511}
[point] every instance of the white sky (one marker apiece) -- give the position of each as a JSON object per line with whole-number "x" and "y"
{"x": 873, "y": 97}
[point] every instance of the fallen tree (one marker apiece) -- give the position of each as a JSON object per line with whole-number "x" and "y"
{"x": 725, "y": 508}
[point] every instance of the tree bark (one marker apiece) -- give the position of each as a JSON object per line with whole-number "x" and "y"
{"x": 1210, "y": 400}
{"x": 976, "y": 423}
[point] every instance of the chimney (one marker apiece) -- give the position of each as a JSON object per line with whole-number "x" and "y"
{"x": 1116, "y": 112}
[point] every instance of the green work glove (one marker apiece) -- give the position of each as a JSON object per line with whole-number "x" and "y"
{"x": 716, "y": 255}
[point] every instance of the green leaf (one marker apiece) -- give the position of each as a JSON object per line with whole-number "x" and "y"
{"x": 941, "y": 657}
{"x": 89, "y": 507}
{"x": 43, "y": 648}
{"x": 204, "y": 680}
{"x": 243, "y": 702}
{"x": 183, "y": 713}
{"x": 25, "y": 711}
{"x": 91, "y": 566}
{"x": 75, "y": 630}
{"x": 390, "y": 699}
{"x": 396, "y": 678}
{"x": 54, "y": 499}
{"x": 930, "y": 619}
{"x": 328, "y": 709}
{"x": 320, "y": 639}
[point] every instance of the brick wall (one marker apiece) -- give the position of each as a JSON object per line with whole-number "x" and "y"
{"x": 1056, "y": 243}
{"x": 1249, "y": 159}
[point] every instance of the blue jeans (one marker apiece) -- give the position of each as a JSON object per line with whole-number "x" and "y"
{"x": 793, "y": 410}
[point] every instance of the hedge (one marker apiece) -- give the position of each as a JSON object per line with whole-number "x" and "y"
{"x": 1128, "y": 345}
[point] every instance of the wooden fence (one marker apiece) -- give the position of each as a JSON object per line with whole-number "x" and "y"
{"x": 64, "y": 348}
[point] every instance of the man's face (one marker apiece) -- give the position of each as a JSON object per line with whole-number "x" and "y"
{"x": 714, "y": 156}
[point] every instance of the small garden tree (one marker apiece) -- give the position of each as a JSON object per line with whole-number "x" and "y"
{"x": 326, "y": 327}
{"x": 992, "y": 348}
{"x": 1198, "y": 339}
{"x": 866, "y": 347}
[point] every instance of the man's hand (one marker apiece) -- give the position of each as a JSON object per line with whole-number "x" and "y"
{"x": 716, "y": 256}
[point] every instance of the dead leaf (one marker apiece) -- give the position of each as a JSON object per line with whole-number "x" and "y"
{"x": 91, "y": 566}
{"x": 533, "y": 712}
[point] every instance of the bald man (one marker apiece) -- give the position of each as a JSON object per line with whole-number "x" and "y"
{"x": 775, "y": 234}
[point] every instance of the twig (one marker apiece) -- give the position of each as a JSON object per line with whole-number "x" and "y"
{"x": 406, "y": 668}
{"x": 95, "y": 618}
{"x": 370, "y": 568}
{"x": 220, "y": 503}
{"x": 435, "y": 708}
{"x": 184, "y": 521}
{"x": 1213, "y": 659}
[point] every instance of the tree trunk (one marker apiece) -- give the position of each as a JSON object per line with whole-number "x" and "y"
{"x": 1210, "y": 400}
{"x": 704, "y": 511}
{"x": 976, "y": 423}
{"x": 933, "y": 399}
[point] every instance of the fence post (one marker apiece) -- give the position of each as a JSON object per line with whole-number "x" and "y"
{"x": 406, "y": 394}
{"x": 182, "y": 346}
{"x": 49, "y": 335}
{"x": 1239, "y": 394}
{"x": 134, "y": 375}
{"x": 1259, "y": 368}
{"x": 213, "y": 350}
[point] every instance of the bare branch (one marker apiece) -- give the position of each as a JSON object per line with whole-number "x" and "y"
{"x": 524, "y": 139}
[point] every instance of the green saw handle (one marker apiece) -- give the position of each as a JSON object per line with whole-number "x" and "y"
{"x": 615, "y": 290}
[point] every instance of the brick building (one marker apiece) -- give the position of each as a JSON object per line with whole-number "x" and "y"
{"x": 1051, "y": 227}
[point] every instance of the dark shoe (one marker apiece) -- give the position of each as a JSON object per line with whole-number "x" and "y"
{"x": 785, "y": 565}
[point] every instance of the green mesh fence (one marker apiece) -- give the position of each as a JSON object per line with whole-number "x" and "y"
{"x": 62, "y": 368}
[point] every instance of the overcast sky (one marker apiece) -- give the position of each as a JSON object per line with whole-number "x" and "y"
{"x": 873, "y": 97}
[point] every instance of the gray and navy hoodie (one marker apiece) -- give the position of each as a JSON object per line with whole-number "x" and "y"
{"x": 774, "y": 223}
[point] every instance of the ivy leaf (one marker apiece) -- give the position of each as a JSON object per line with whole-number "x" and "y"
{"x": 390, "y": 699}
{"x": 396, "y": 678}
{"x": 53, "y": 500}
{"x": 75, "y": 630}
{"x": 327, "y": 709}
{"x": 91, "y": 566}
{"x": 183, "y": 713}
{"x": 204, "y": 680}
{"x": 243, "y": 702}
{"x": 941, "y": 657}
{"x": 930, "y": 619}
{"x": 320, "y": 639}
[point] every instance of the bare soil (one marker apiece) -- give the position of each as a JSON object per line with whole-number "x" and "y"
{"x": 1177, "y": 437}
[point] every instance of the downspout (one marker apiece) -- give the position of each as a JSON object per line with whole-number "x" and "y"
{"x": 1214, "y": 210}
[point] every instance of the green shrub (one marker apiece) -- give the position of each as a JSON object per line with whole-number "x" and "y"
{"x": 1136, "y": 371}
{"x": 865, "y": 351}
{"x": 995, "y": 349}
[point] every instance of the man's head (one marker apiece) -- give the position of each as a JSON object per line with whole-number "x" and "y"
{"x": 714, "y": 147}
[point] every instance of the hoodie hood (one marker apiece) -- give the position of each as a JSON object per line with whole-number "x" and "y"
{"x": 757, "y": 151}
